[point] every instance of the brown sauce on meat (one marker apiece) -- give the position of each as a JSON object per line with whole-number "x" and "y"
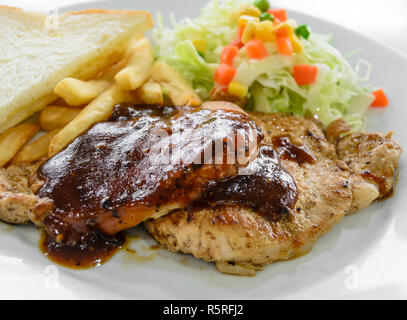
{"x": 289, "y": 151}
{"x": 126, "y": 169}
{"x": 263, "y": 185}
{"x": 92, "y": 250}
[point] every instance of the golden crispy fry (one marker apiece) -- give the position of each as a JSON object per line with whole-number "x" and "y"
{"x": 138, "y": 68}
{"x": 54, "y": 117}
{"x": 13, "y": 139}
{"x": 110, "y": 72}
{"x": 179, "y": 91}
{"x": 77, "y": 92}
{"x": 151, "y": 93}
{"x": 36, "y": 150}
{"x": 98, "y": 110}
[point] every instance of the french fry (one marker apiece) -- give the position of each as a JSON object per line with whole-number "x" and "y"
{"x": 151, "y": 93}
{"x": 36, "y": 150}
{"x": 98, "y": 110}
{"x": 179, "y": 91}
{"x": 54, "y": 117}
{"x": 13, "y": 139}
{"x": 138, "y": 68}
{"x": 110, "y": 72}
{"x": 77, "y": 92}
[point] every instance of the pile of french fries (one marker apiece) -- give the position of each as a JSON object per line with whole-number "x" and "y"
{"x": 136, "y": 78}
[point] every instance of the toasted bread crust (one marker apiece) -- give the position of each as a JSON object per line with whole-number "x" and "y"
{"x": 40, "y": 98}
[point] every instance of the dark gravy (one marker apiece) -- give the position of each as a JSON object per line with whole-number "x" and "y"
{"x": 124, "y": 170}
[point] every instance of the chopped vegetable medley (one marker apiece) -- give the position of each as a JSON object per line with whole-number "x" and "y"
{"x": 257, "y": 53}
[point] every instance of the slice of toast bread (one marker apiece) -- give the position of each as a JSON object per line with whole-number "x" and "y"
{"x": 37, "y": 51}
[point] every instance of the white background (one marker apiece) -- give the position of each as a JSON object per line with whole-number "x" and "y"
{"x": 385, "y": 21}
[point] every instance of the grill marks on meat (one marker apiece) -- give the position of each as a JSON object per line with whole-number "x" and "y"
{"x": 240, "y": 233}
{"x": 241, "y": 241}
{"x": 144, "y": 163}
{"x": 18, "y": 204}
{"x": 373, "y": 159}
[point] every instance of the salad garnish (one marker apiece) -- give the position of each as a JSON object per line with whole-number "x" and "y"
{"x": 255, "y": 55}
{"x": 380, "y": 100}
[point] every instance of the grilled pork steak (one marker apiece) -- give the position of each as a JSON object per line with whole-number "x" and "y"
{"x": 241, "y": 241}
{"x": 272, "y": 202}
{"x": 17, "y": 200}
{"x": 146, "y": 162}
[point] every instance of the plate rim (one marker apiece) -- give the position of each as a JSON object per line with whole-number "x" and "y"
{"x": 71, "y": 7}
{"x": 386, "y": 46}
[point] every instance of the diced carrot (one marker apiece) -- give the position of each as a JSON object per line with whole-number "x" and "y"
{"x": 224, "y": 74}
{"x": 277, "y": 21}
{"x": 284, "y": 46}
{"x": 305, "y": 74}
{"x": 256, "y": 49}
{"x": 240, "y": 31}
{"x": 282, "y": 32}
{"x": 278, "y": 13}
{"x": 228, "y": 54}
{"x": 380, "y": 100}
{"x": 238, "y": 43}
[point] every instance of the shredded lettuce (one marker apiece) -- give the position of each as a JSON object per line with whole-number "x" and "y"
{"x": 337, "y": 93}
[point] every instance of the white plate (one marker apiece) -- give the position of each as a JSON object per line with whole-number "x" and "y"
{"x": 362, "y": 257}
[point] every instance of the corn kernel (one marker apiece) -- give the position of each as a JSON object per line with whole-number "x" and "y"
{"x": 293, "y": 38}
{"x": 250, "y": 10}
{"x": 199, "y": 45}
{"x": 238, "y": 90}
{"x": 264, "y": 31}
{"x": 245, "y": 9}
{"x": 245, "y": 19}
{"x": 296, "y": 42}
{"x": 248, "y": 33}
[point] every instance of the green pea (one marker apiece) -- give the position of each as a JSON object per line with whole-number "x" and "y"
{"x": 303, "y": 31}
{"x": 266, "y": 16}
{"x": 263, "y": 5}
